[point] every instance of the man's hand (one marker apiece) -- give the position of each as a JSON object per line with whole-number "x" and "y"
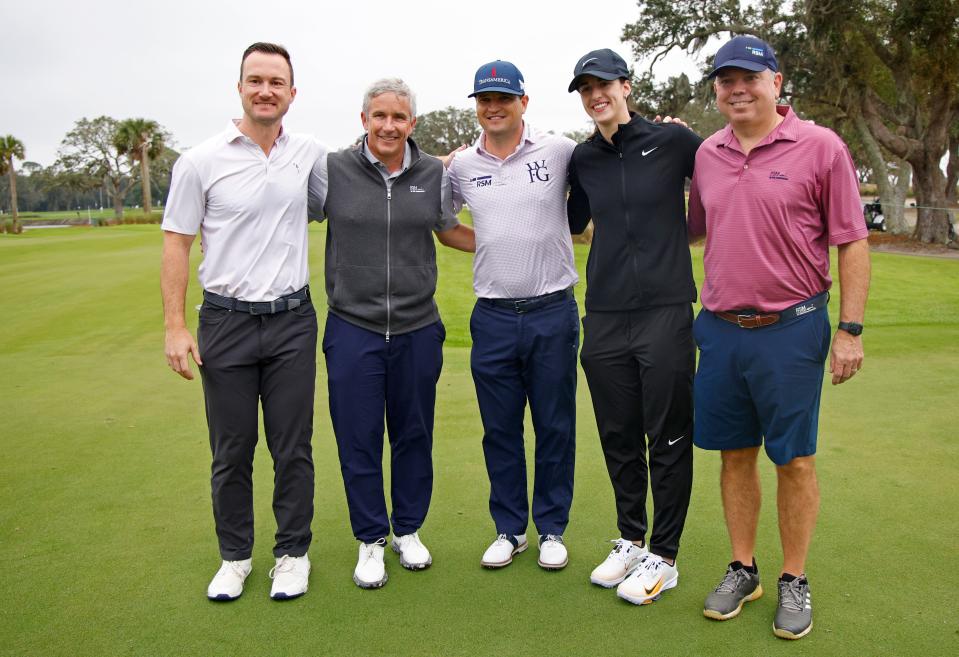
{"x": 845, "y": 358}
{"x": 670, "y": 119}
{"x": 179, "y": 345}
{"x": 447, "y": 159}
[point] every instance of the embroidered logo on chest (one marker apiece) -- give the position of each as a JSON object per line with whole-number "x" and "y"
{"x": 482, "y": 181}
{"x": 537, "y": 171}
{"x": 416, "y": 189}
{"x": 778, "y": 175}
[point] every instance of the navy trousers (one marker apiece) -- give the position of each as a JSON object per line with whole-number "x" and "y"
{"x": 369, "y": 377}
{"x": 519, "y": 356}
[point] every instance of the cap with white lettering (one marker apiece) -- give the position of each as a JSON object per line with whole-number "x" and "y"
{"x": 499, "y": 76}
{"x": 747, "y": 52}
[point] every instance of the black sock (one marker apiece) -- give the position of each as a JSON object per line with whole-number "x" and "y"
{"x": 787, "y": 577}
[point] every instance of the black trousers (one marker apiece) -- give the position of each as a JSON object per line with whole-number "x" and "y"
{"x": 250, "y": 360}
{"x": 639, "y": 366}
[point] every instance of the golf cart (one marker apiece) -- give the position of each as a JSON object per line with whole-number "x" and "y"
{"x": 872, "y": 213}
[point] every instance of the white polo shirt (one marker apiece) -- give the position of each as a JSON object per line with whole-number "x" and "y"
{"x": 523, "y": 245}
{"x": 250, "y": 211}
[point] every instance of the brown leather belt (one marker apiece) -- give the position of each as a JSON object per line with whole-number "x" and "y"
{"x": 749, "y": 321}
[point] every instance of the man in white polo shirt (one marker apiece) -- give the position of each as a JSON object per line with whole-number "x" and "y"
{"x": 244, "y": 191}
{"x": 525, "y": 325}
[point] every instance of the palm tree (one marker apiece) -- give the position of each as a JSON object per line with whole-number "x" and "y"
{"x": 11, "y": 147}
{"x": 143, "y": 140}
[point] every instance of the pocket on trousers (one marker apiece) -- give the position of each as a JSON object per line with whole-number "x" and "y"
{"x": 212, "y": 315}
{"x": 305, "y": 309}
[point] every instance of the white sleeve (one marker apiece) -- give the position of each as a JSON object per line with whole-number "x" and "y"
{"x": 317, "y": 188}
{"x": 186, "y": 202}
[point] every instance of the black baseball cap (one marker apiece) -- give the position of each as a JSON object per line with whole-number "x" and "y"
{"x": 746, "y": 52}
{"x": 603, "y": 64}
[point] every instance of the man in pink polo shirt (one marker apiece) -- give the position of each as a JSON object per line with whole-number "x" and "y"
{"x": 772, "y": 193}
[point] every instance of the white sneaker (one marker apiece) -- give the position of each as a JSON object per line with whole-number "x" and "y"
{"x": 227, "y": 584}
{"x": 291, "y": 577}
{"x": 413, "y": 554}
{"x": 648, "y": 581}
{"x": 370, "y": 571}
{"x": 552, "y": 552}
{"x": 623, "y": 560}
{"x": 501, "y": 552}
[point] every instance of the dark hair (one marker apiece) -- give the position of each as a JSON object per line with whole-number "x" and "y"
{"x": 269, "y": 49}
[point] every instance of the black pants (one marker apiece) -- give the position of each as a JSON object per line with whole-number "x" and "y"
{"x": 248, "y": 360}
{"x": 639, "y": 366}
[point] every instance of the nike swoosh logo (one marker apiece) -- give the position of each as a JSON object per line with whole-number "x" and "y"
{"x": 588, "y": 61}
{"x": 673, "y": 442}
{"x": 655, "y": 587}
{"x": 645, "y": 153}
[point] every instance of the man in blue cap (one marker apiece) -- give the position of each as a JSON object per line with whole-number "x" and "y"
{"x": 525, "y": 325}
{"x": 772, "y": 193}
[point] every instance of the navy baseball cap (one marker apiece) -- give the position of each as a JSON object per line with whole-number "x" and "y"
{"x": 746, "y": 52}
{"x": 499, "y": 76}
{"x": 604, "y": 64}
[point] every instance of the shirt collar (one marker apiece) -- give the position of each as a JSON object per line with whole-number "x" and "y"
{"x": 407, "y": 158}
{"x": 529, "y": 136}
{"x": 233, "y": 133}
{"x": 788, "y": 130}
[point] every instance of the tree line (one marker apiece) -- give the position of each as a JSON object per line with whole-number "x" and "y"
{"x": 100, "y": 162}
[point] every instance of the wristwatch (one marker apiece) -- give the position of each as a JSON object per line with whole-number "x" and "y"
{"x": 852, "y": 328}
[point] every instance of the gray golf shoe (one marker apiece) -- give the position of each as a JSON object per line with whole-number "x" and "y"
{"x": 738, "y": 587}
{"x": 794, "y": 614}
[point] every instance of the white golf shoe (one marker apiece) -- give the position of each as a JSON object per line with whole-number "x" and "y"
{"x": 501, "y": 552}
{"x": 227, "y": 584}
{"x": 621, "y": 562}
{"x": 291, "y": 577}
{"x": 648, "y": 581}
{"x": 413, "y": 554}
{"x": 370, "y": 571}
{"x": 552, "y": 552}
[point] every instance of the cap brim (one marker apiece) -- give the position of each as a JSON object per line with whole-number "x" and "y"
{"x": 602, "y": 75}
{"x": 502, "y": 90}
{"x": 746, "y": 64}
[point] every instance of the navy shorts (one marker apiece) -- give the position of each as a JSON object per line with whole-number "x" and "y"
{"x": 761, "y": 383}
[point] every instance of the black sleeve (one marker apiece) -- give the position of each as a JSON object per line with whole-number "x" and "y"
{"x": 690, "y": 142}
{"x": 577, "y": 204}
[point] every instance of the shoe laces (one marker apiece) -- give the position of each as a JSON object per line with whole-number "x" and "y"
{"x": 622, "y": 549}
{"x": 502, "y": 538}
{"x": 792, "y": 594}
{"x": 412, "y": 539}
{"x": 235, "y": 567}
{"x": 652, "y": 563}
{"x": 283, "y": 565}
{"x": 552, "y": 537}
{"x": 730, "y": 583}
{"x": 369, "y": 548}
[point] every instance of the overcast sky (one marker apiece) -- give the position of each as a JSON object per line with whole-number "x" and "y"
{"x": 177, "y": 61}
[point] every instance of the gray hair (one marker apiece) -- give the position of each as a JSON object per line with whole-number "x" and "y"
{"x": 389, "y": 86}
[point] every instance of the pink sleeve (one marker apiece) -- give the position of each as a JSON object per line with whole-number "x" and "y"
{"x": 696, "y": 214}
{"x": 840, "y": 201}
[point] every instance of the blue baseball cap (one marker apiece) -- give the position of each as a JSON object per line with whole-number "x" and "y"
{"x": 746, "y": 52}
{"x": 604, "y": 64}
{"x": 499, "y": 76}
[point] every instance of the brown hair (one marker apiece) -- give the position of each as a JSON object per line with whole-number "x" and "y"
{"x": 269, "y": 49}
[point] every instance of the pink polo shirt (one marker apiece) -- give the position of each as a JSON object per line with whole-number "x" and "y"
{"x": 770, "y": 216}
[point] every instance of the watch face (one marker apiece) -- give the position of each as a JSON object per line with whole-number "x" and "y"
{"x": 851, "y": 328}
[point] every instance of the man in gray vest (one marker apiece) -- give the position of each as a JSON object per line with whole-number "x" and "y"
{"x": 383, "y": 340}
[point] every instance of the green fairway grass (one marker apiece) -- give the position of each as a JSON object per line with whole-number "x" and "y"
{"x": 106, "y": 529}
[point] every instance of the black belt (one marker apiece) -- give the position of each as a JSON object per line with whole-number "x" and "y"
{"x": 280, "y": 305}
{"x": 530, "y": 303}
{"x": 753, "y": 319}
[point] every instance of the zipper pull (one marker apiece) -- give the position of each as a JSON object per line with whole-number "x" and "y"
{"x": 387, "y": 336}
{"x": 389, "y": 195}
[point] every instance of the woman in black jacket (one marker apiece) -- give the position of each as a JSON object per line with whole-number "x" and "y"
{"x": 638, "y": 350}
